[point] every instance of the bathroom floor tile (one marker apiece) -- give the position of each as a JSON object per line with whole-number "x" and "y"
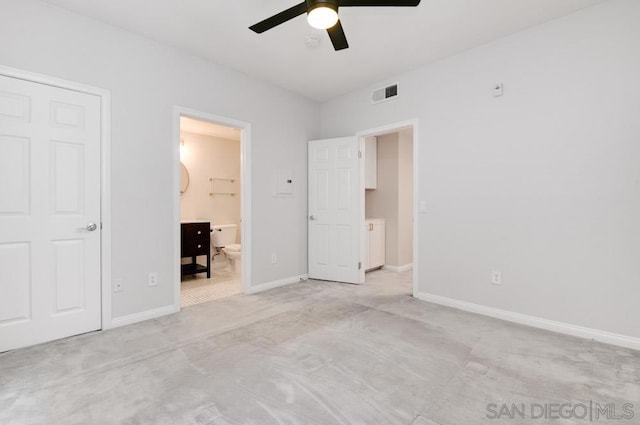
{"x": 197, "y": 289}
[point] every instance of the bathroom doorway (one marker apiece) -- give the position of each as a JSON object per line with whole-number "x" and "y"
{"x": 211, "y": 231}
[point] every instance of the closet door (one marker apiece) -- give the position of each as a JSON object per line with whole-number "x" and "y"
{"x": 49, "y": 213}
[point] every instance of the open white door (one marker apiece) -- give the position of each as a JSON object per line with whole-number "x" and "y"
{"x": 49, "y": 213}
{"x": 335, "y": 210}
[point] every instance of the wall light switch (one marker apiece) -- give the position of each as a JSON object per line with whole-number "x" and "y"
{"x": 118, "y": 286}
{"x": 496, "y": 277}
{"x": 153, "y": 279}
{"x": 422, "y": 206}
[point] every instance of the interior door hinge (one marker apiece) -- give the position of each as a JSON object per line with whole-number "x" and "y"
{"x": 359, "y": 265}
{"x": 359, "y": 154}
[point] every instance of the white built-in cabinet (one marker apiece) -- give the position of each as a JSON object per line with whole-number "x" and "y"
{"x": 376, "y": 242}
{"x": 371, "y": 163}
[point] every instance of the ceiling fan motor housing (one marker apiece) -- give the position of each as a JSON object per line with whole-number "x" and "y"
{"x": 313, "y": 4}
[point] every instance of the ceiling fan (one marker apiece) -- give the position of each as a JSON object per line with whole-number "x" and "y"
{"x": 323, "y": 14}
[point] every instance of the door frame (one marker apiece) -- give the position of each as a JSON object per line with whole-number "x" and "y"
{"x": 386, "y": 129}
{"x": 105, "y": 172}
{"x": 245, "y": 192}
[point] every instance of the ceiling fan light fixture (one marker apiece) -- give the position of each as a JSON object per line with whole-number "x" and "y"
{"x": 322, "y": 17}
{"x": 323, "y": 14}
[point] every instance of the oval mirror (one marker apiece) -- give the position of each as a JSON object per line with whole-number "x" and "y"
{"x": 184, "y": 178}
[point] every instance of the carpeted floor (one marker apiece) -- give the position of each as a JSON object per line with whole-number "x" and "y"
{"x": 314, "y": 353}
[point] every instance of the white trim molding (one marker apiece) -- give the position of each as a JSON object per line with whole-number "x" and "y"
{"x": 399, "y": 269}
{"x": 105, "y": 172}
{"x": 277, "y": 283}
{"x": 143, "y": 315}
{"x": 535, "y": 322}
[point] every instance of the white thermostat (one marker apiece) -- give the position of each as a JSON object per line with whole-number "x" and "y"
{"x": 284, "y": 182}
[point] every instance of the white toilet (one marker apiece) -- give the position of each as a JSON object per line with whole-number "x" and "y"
{"x": 224, "y": 238}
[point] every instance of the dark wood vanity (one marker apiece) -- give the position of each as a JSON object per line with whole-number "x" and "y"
{"x": 195, "y": 241}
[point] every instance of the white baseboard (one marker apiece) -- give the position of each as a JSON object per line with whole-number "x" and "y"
{"x": 277, "y": 283}
{"x": 536, "y": 322}
{"x": 143, "y": 315}
{"x": 399, "y": 269}
{"x": 170, "y": 309}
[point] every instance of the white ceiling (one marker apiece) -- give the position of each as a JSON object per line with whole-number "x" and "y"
{"x": 383, "y": 41}
{"x": 209, "y": 129}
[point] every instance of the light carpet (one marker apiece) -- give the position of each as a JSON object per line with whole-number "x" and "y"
{"x": 314, "y": 353}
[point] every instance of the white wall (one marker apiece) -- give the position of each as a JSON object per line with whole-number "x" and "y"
{"x": 146, "y": 80}
{"x": 542, "y": 183}
{"x": 207, "y": 157}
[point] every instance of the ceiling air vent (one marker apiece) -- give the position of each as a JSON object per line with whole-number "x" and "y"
{"x": 385, "y": 93}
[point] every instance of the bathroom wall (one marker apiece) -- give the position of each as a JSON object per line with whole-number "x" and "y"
{"x": 405, "y": 197}
{"x": 208, "y": 157}
{"x": 382, "y": 201}
{"x": 393, "y": 198}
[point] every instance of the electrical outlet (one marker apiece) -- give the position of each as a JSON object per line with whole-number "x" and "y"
{"x": 274, "y": 258}
{"x": 118, "y": 285}
{"x": 496, "y": 277}
{"x": 153, "y": 279}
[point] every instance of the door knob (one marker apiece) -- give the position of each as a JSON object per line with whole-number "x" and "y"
{"x": 312, "y": 218}
{"x": 90, "y": 227}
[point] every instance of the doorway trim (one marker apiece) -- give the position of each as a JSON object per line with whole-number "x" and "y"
{"x": 245, "y": 192}
{"x": 105, "y": 172}
{"x": 385, "y": 129}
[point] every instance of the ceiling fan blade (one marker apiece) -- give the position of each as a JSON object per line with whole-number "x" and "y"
{"x": 387, "y": 3}
{"x": 280, "y": 18}
{"x": 338, "y": 38}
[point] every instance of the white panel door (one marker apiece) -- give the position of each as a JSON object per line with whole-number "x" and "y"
{"x": 335, "y": 222}
{"x": 49, "y": 195}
